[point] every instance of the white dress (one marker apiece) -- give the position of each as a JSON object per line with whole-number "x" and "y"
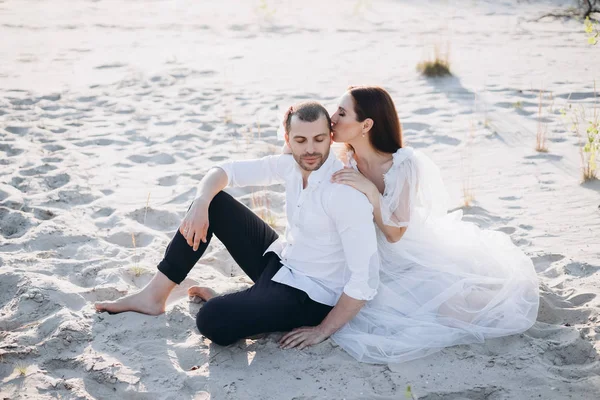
{"x": 446, "y": 282}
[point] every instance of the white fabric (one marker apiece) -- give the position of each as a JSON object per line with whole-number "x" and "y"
{"x": 445, "y": 282}
{"x": 330, "y": 243}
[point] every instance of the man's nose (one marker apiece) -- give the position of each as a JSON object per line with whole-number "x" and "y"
{"x": 311, "y": 147}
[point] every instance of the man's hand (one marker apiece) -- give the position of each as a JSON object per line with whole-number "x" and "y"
{"x": 194, "y": 226}
{"x": 302, "y": 337}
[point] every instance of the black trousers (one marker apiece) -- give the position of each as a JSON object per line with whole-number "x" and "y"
{"x": 267, "y": 306}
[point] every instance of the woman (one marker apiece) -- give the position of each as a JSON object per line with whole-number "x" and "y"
{"x": 443, "y": 281}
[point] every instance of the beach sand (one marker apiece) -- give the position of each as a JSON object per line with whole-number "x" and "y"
{"x": 111, "y": 112}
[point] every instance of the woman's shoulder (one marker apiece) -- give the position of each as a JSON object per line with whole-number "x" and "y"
{"x": 403, "y": 154}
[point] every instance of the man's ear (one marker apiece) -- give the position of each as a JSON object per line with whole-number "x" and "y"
{"x": 287, "y": 138}
{"x": 330, "y": 138}
{"x": 367, "y": 125}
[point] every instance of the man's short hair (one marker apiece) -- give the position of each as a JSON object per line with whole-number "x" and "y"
{"x": 308, "y": 111}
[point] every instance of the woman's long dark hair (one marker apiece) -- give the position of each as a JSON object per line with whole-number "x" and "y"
{"x": 375, "y": 103}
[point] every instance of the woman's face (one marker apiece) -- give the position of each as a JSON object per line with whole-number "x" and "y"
{"x": 344, "y": 125}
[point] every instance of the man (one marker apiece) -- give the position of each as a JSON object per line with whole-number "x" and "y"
{"x": 311, "y": 283}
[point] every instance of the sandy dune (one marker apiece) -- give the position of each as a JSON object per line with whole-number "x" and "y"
{"x": 110, "y": 113}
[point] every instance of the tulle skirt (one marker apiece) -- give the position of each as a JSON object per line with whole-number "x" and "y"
{"x": 446, "y": 282}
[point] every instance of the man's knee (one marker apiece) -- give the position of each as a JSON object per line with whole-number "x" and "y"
{"x": 212, "y": 323}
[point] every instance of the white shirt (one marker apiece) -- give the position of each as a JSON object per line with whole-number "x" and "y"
{"x": 330, "y": 244}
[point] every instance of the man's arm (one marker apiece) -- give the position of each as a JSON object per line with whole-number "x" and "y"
{"x": 194, "y": 226}
{"x": 353, "y": 217}
{"x": 263, "y": 171}
{"x": 345, "y": 309}
{"x": 260, "y": 172}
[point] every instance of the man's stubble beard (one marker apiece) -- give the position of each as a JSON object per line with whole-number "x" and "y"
{"x": 300, "y": 163}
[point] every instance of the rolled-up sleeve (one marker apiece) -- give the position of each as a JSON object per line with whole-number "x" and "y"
{"x": 353, "y": 216}
{"x": 264, "y": 171}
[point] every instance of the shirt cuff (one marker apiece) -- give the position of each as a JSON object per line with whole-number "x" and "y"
{"x": 228, "y": 169}
{"x": 359, "y": 291}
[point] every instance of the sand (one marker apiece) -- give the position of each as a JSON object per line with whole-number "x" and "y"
{"x": 111, "y": 112}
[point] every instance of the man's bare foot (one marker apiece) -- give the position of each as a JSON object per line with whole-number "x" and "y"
{"x": 137, "y": 302}
{"x": 203, "y": 292}
{"x": 150, "y": 300}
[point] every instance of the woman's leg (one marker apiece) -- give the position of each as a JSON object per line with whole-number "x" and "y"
{"x": 242, "y": 232}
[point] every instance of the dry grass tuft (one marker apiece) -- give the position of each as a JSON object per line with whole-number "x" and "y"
{"x": 261, "y": 205}
{"x": 137, "y": 271}
{"x": 21, "y": 369}
{"x": 437, "y": 67}
{"x": 542, "y": 128}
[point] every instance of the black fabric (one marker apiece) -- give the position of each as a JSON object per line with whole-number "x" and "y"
{"x": 267, "y": 306}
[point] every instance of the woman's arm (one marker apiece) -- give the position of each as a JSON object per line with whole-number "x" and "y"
{"x": 351, "y": 177}
{"x": 392, "y": 233}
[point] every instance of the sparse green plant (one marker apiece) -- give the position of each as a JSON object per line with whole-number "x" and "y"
{"x": 591, "y": 150}
{"x": 438, "y": 66}
{"x": 578, "y": 118}
{"x": 518, "y": 105}
{"x": 409, "y": 394}
{"x": 542, "y": 128}
{"x": 265, "y": 10}
{"x": 591, "y": 29}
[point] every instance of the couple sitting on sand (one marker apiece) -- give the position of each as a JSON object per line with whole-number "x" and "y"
{"x": 370, "y": 258}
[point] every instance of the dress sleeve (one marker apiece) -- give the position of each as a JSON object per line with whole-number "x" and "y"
{"x": 414, "y": 190}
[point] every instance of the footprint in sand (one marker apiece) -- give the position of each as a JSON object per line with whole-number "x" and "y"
{"x": 509, "y": 230}
{"x": 425, "y": 111}
{"x": 53, "y": 147}
{"x": 509, "y": 198}
{"x": 39, "y": 213}
{"x": 183, "y": 138}
{"x": 168, "y": 180}
{"x": 543, "y": 262}
{"x": 13, "y": 223}
{"x": 17, "y": 130}
{"x": 56, "y": 181}
{"x": 50, "y": 160}
{"x": 165, "y": 123}
{"x": 160, "y": 158}
{"x": 160, "y": 220}
{"x": 581, "y": 299}
{"x": 103, "y": 212}
{"x": 39, "y": 170}
{"x": 415, "y": 126}
{"x": 571, "y": 351}
{"x": 124, "y": 239}
{"x": 10, "y": 150}
{"x": 580, "y": 269}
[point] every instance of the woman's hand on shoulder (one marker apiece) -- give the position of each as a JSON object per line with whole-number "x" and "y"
{"x": 351, "y": 177}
